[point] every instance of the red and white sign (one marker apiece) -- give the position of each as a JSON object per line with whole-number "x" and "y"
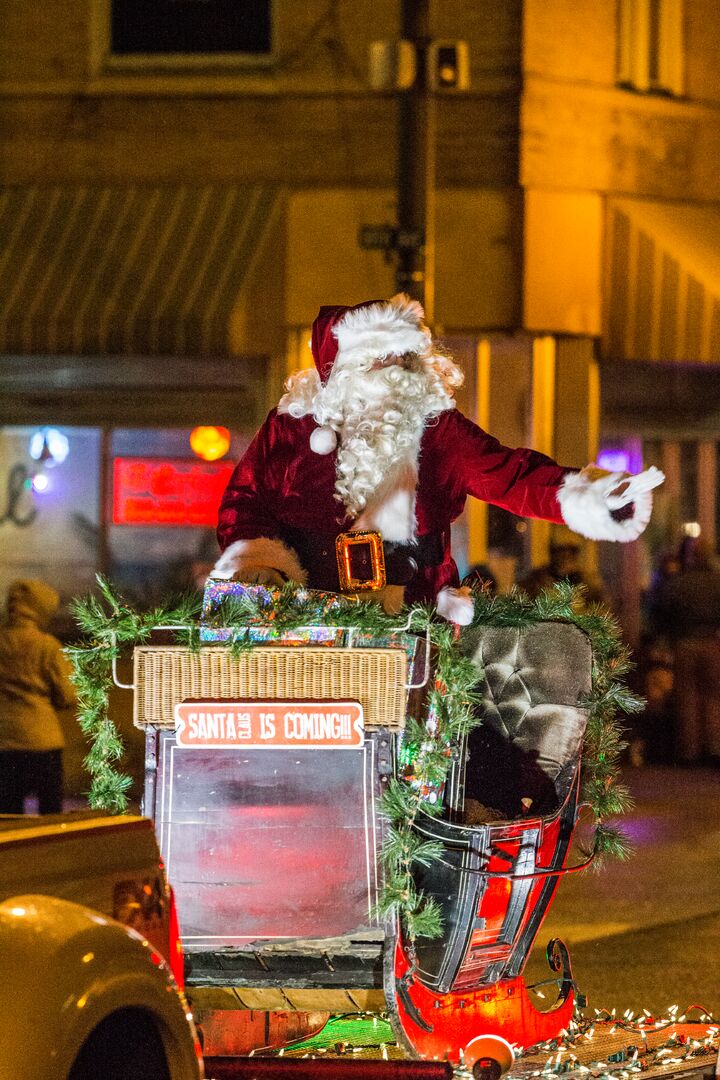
{"x": 282, "y": 724}
{"x": 162, "y": 491}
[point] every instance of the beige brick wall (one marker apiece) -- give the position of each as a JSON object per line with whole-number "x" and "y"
{"x": 610, "y": 140}
{"x": 310, "y": 122}
{"x": 67, "y": 111}
{"x": 309, "y": 118}
{"x": 581, "y": 133}
{"x": 702, "y": 51}
{"x": 570, "y": 40}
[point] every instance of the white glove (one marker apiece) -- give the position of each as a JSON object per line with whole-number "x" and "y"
{"x": 456, "y": 605}
{"x": 631, "y": 488}
{"x": 588, "y": 498}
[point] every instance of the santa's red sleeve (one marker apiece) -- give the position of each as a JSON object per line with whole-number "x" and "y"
{"x": 599, "y": 505}
{"x": 248, "y": 531}
{"x": 523, "y": 481}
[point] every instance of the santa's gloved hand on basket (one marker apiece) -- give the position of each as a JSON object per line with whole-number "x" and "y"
{"x": 259, "y": 562}
{"x": 260, "y": 575}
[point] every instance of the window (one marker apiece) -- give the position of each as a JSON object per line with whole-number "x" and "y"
{"x": 149, "y": 523}
{"x": 650, "y": 46}
{"x": 190, "y": 27}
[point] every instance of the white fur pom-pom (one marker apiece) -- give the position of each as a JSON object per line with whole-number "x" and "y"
{"x": 323, "y": 440}
{"x": 456, "y": 605}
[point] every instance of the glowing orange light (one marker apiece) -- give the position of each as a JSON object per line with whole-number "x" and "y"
{"x": 210, "y": 443}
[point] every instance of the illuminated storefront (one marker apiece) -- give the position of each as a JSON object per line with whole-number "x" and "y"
{"x": 134, "y": 503}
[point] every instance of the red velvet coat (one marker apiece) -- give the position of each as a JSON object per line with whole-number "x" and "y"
{"x": 281, "y": 485}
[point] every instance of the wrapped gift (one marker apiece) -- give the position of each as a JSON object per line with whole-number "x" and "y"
{"x": 258, "y": 623}
{"x": 219, "y": 592}
{"x": 255, "y": 617}
{"x": 267, "y": 635}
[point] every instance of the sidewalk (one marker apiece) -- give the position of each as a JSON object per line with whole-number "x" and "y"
{"x": 646, "y": 933}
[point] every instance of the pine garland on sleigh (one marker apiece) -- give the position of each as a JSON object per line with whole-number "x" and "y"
{"x": 110, "y": 626}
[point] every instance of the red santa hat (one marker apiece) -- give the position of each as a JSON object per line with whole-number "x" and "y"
{"x": 368, "y": 331}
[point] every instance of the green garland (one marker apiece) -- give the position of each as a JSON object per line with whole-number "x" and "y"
{"x": 108, "y": 627}
{"x": 110, "y": 624}
{"x": 451, "y": 702}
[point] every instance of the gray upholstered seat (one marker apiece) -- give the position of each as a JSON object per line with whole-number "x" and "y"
{"x": 536, "y": 680}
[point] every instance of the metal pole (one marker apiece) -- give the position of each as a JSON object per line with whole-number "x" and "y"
{"x": 103, "y": 548}
{"x": 416, "y": 169}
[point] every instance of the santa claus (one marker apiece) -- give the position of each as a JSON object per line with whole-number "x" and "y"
{"x": 354, "y": 479}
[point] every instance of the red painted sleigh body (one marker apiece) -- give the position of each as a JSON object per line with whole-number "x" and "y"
{"x": 495, "y": 885}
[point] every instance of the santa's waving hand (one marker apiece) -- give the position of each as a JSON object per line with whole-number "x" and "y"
{"x": 354, "y": 479}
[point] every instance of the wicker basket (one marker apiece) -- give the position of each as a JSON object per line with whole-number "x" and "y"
{"x": 167, "y": 675}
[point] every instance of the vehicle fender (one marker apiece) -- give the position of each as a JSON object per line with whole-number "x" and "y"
{"x": 65, "y": 969}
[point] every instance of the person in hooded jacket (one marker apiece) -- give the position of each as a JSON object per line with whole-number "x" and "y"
{"x": 371, "y": 442}
{"x": 34, "y": 684}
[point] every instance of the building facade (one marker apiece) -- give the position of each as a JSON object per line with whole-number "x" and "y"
{"x": 182, "y": 189}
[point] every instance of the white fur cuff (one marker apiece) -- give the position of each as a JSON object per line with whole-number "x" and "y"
{"x": 586, "y": 499}
{"x": 249, "y": 556}
{"x": 388, "y": 328}
{"x": 456, "y": 605}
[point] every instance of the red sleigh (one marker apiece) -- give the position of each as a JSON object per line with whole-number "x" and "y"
{"x": 275, "y": 852}
{"x": 496, "y": 878}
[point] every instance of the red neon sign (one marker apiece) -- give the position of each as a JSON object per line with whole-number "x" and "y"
{"x": 162, "y": 491}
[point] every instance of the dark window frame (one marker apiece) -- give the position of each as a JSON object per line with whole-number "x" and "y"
{"x": 200, "y": 30}
{"x": 650, "y": 47}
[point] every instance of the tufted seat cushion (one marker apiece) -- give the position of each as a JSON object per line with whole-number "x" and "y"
{"x": 536, "y": 679}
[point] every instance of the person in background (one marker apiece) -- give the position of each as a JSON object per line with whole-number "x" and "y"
{"x": 654, "y": 677}
{"x": 565, "y": 564}
{"x": 686, "y": 610}
{"x": 34, "y": 684}
{"x": 686, "y": 602}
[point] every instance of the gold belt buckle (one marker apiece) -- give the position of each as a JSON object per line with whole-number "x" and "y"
{"x": 344, "y": 544}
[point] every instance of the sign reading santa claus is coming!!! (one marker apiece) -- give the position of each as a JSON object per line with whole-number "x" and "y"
{"x": 281, "y": 724}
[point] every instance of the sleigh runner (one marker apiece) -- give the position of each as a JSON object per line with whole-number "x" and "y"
{"x": 277, "y": 850}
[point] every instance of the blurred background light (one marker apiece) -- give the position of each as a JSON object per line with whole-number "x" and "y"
{"x": 614, "y": 460}
{"x": 210, "y": 443}
{"x": 40, "y": 483}
{"x": 49, "y": 446}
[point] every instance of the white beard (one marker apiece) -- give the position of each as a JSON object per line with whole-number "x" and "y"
{"x": 380, "y": 431}
{"x": 379, "y": 416}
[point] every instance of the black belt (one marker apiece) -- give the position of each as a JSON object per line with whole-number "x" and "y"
{"x": 403, "y": 562}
